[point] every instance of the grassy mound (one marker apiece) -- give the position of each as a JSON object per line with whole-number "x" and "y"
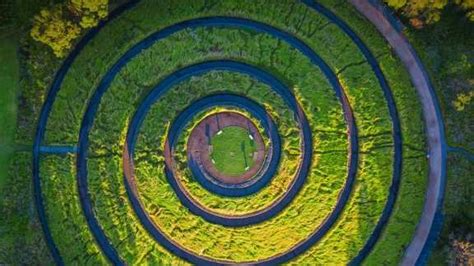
{"x": 306, "y": 81}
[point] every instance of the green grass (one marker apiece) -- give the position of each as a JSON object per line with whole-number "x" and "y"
{"x": 21, "y": 237}
{"x": 329, "y": 164}
{"x": 232, "y": 151}
{"x": 21, "y": 241}
{"x": 9, "y": 77}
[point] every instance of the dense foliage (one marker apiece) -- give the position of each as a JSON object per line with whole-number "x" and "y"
{"x": 421, "y": 12}
{"x": 58, "y": 26}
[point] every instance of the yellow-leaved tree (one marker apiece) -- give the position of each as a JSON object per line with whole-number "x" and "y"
{"x": 462, "y": 100}
{"x": 422, "y": 12}
{"x": 60, "y": 25}
{"x": 52, "y": 29}
{"x": 90, "y": 12}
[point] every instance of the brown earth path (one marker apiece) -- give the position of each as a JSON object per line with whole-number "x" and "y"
{"x": 433, "y": 124}
{"x": 198, "y": 147}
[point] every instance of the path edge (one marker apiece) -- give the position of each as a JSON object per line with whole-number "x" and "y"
{"x": 428, "y": 228}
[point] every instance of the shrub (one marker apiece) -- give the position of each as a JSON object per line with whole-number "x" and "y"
{"x": 463, "y": 100}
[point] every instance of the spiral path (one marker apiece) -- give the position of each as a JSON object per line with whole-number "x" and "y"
{"x": 342, "y": 178}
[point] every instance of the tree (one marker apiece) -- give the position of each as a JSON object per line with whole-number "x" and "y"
{"x": 461, "y": 250}
{"x": 422, "y": 12}
{"x": 90, "y": 12}
{"x": 463, "y": 100}
{"x": 52, "y": 29}
{"x": 59, "y": 26}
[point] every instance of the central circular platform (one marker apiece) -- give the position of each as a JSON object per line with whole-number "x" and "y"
{"x": 228, "y": 147}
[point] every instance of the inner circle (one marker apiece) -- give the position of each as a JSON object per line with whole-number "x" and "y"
{"x": 228, "y": 147}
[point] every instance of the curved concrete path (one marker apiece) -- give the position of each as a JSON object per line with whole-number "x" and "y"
{"x": 434, "y": 127}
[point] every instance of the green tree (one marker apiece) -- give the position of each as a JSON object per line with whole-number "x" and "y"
{"x": 422, "y": 12}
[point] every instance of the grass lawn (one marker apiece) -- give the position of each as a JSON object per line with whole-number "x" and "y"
{"x": 232, "y": 150}
{"x": 8, "y": 91}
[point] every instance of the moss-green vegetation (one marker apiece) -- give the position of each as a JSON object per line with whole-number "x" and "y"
{"x": 9, "y": 76}
{"x": 21, "y": 241}
{"x": 236, "y": 206}
{"x": 233, "y": 151}
{"x": 446, "y": 50}
{"x": 328, "y": 167}
{"x": 68, "y": 225}
{"x": 457, "y": 211}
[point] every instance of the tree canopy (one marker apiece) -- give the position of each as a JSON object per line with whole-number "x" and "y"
{"x": 60, "y": 25}
{"x": 422, "y": 12}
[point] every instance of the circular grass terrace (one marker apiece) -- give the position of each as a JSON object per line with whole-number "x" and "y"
{"x": 233, "y": 151}
{"x": 343, "y": 176}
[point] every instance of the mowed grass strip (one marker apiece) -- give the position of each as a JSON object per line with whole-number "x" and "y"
{"x": 232, "y": 151}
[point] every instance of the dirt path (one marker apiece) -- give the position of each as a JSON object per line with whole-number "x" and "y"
{"x": 433, "y": 124}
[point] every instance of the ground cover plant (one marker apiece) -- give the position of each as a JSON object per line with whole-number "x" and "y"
{"x": 366, "y": 144}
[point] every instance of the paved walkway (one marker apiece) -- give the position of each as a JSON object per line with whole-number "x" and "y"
{"x": 433, "y": 123}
